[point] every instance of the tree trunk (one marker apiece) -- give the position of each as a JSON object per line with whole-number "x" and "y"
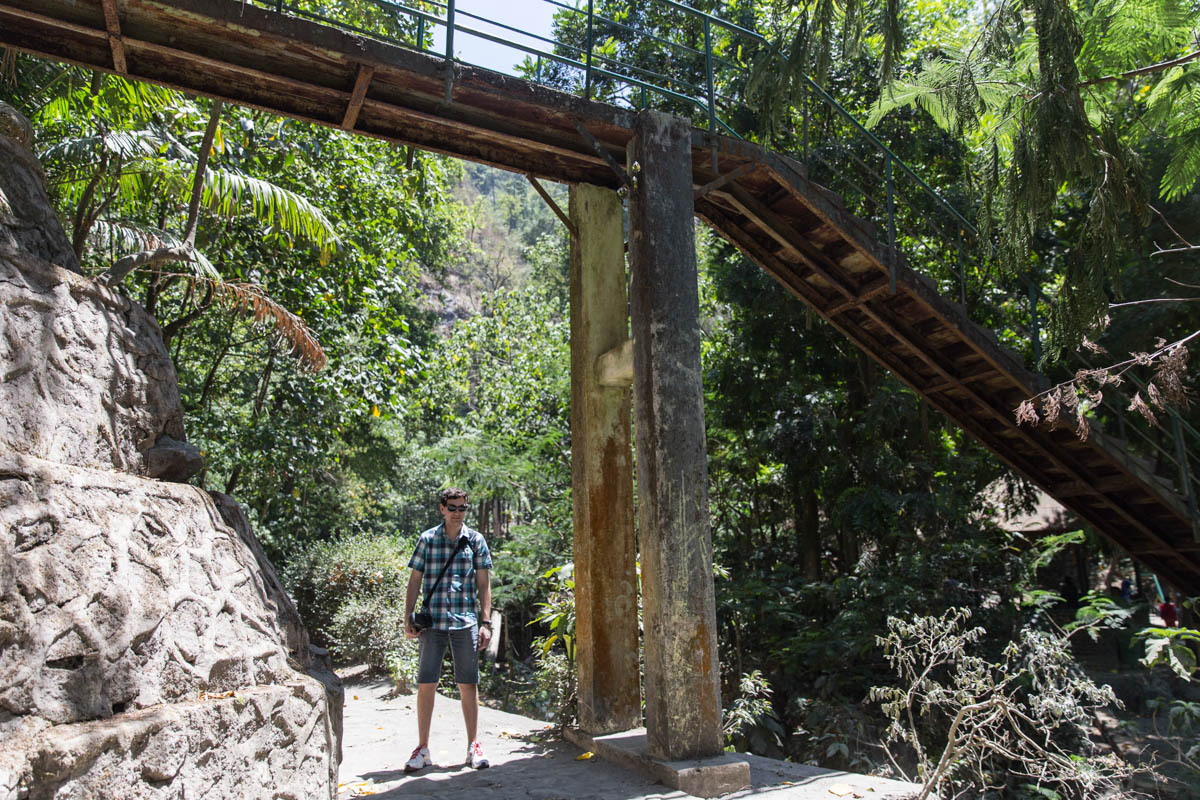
{"x": 808, "y": 531}
{"x": 236, "y": 474}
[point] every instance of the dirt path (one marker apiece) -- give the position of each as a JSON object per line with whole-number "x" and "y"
{"x": 528, "y": 763}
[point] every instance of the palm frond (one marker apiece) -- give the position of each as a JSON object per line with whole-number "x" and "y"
{"x": 127, "y": 145}
{"x": 225, "y": 192}
{"x": 251, "y": 299}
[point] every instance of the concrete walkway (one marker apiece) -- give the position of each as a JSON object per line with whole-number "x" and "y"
{"x": 529, "y": 764}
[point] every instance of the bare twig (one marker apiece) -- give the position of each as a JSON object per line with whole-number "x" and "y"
{"x": 1133, "y": 73}
{"x": 1192, "y": 248}
{"x": 1155, "y": 300}
{"x": 1170, "y": 227}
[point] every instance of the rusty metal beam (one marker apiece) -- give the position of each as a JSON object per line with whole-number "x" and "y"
{"x": 574, "y": 231}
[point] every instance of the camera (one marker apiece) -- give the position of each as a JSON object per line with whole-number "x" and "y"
{"x": 421, "y": 620}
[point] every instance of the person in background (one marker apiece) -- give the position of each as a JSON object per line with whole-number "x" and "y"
{"x": 1169, "y": 613}
{"x": 460, "y": 599}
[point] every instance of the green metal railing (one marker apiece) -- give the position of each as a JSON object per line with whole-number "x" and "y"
{"x": 698, "y": 66}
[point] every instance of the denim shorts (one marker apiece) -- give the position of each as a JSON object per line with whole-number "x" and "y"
{"x": 464, "y": 650}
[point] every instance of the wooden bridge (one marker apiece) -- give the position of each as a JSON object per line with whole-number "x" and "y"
{"x": 760, "y": 201}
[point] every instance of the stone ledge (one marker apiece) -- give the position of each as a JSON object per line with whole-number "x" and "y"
{"x": 259, "y": 742}
{"x": 708, "y": 777}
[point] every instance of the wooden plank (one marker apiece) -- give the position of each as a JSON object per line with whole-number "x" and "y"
{"x": 971, "y": 377}
{"x": 112, "y": 24}
{"x": 361, "y": 83}
{"x": 721, "y": 180}
{"x": 50, "y": 22}
{"x": 450, "y": 128}
{"x": 865, "y": 293}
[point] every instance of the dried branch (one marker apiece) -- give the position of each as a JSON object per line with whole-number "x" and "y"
{"x": 1167, "y": 387}
{"x": 1156, "y": 300}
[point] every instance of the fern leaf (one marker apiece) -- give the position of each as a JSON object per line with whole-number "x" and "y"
{"x": 1183, "y": 169}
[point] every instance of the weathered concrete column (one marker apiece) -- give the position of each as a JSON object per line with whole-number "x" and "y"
{"x": 683, "y": 703}
{"x": 602, "y": 472}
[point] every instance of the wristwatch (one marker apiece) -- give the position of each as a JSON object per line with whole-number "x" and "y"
{"x": 487, "y": 622}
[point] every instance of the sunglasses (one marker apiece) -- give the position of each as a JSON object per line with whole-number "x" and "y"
{"x": 453, "y": 508}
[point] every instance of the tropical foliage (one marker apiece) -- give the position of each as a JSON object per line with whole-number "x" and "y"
{"x": 438, "y": 295}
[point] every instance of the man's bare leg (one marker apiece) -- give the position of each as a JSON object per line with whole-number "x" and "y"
{"x": 426, "y": 692}
{"x": 469, "y": 693}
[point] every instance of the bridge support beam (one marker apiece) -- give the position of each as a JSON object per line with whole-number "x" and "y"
{"x": 683, "y": 702}
{"x": 602, "y": 471}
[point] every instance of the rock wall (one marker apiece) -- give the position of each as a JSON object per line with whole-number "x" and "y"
{"x": 84, "y": 376}
{"x": 147, "y": 648}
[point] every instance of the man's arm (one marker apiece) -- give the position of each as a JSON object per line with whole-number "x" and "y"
{"x": 483, "y": 586}
{"x": 410, "y": 602}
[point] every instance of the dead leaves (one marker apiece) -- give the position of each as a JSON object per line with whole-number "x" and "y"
{"x": 1072, "y": 402}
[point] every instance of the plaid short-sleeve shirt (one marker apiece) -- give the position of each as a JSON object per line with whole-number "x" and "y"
{"x": 453, "y": 606}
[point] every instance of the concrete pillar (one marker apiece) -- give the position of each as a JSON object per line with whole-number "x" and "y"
{"x": 682, "y": 682}
{"x": 602, "y": 472}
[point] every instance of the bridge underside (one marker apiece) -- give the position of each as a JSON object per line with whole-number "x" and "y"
{"x": 761, "y": 202}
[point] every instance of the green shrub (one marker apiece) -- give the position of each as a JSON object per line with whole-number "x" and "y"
{"x": 369, "y": 629}
{"x": 361, "y": 569}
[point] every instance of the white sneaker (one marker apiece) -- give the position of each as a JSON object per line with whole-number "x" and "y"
{"x": 476, "y": 758}
{"x": 418, "y": 760}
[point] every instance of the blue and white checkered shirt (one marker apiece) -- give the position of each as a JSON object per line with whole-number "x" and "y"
{"x": 453, "y": 605}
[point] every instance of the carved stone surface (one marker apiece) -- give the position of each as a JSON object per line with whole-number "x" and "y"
{"x": 27, "y": 220}
{"x": 118, "y": 593}
{"x": 122, "y": 593}
{"x": 315, "y": 660}
{"x": 84, "y": 376}
{"x": 266, "y": 741}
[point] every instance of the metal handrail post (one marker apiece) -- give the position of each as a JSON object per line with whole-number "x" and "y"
{"x": 587, "y": 75}
{"x": 449, "y": 50}
{"x": 712, "y": 108}
{"x": 421, "y": 33}
{"x": 891, "y": 221}
{"x": 1034, "y": 323}
{"x": 1184, "y": 476}
{"x": 962, "y": 267}
{"x": 805, "y": 105}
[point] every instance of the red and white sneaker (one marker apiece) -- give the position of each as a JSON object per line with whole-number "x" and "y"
{"x": 476, "y": 758}
{"x": 418, "y": 760}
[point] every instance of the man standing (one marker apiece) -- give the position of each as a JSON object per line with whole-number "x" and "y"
{"x": 452, "y": 606}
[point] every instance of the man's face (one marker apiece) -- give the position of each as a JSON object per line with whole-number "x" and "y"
{"x": 454, "y": 509}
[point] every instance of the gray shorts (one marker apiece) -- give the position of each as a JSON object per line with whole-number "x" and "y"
{"x": 464, "y": 650}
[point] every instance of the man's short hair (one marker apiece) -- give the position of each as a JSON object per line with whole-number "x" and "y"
{"x": 453, "y": 493}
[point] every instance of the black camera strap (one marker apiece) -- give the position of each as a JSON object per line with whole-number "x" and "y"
{"x": 462, "y": 540}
